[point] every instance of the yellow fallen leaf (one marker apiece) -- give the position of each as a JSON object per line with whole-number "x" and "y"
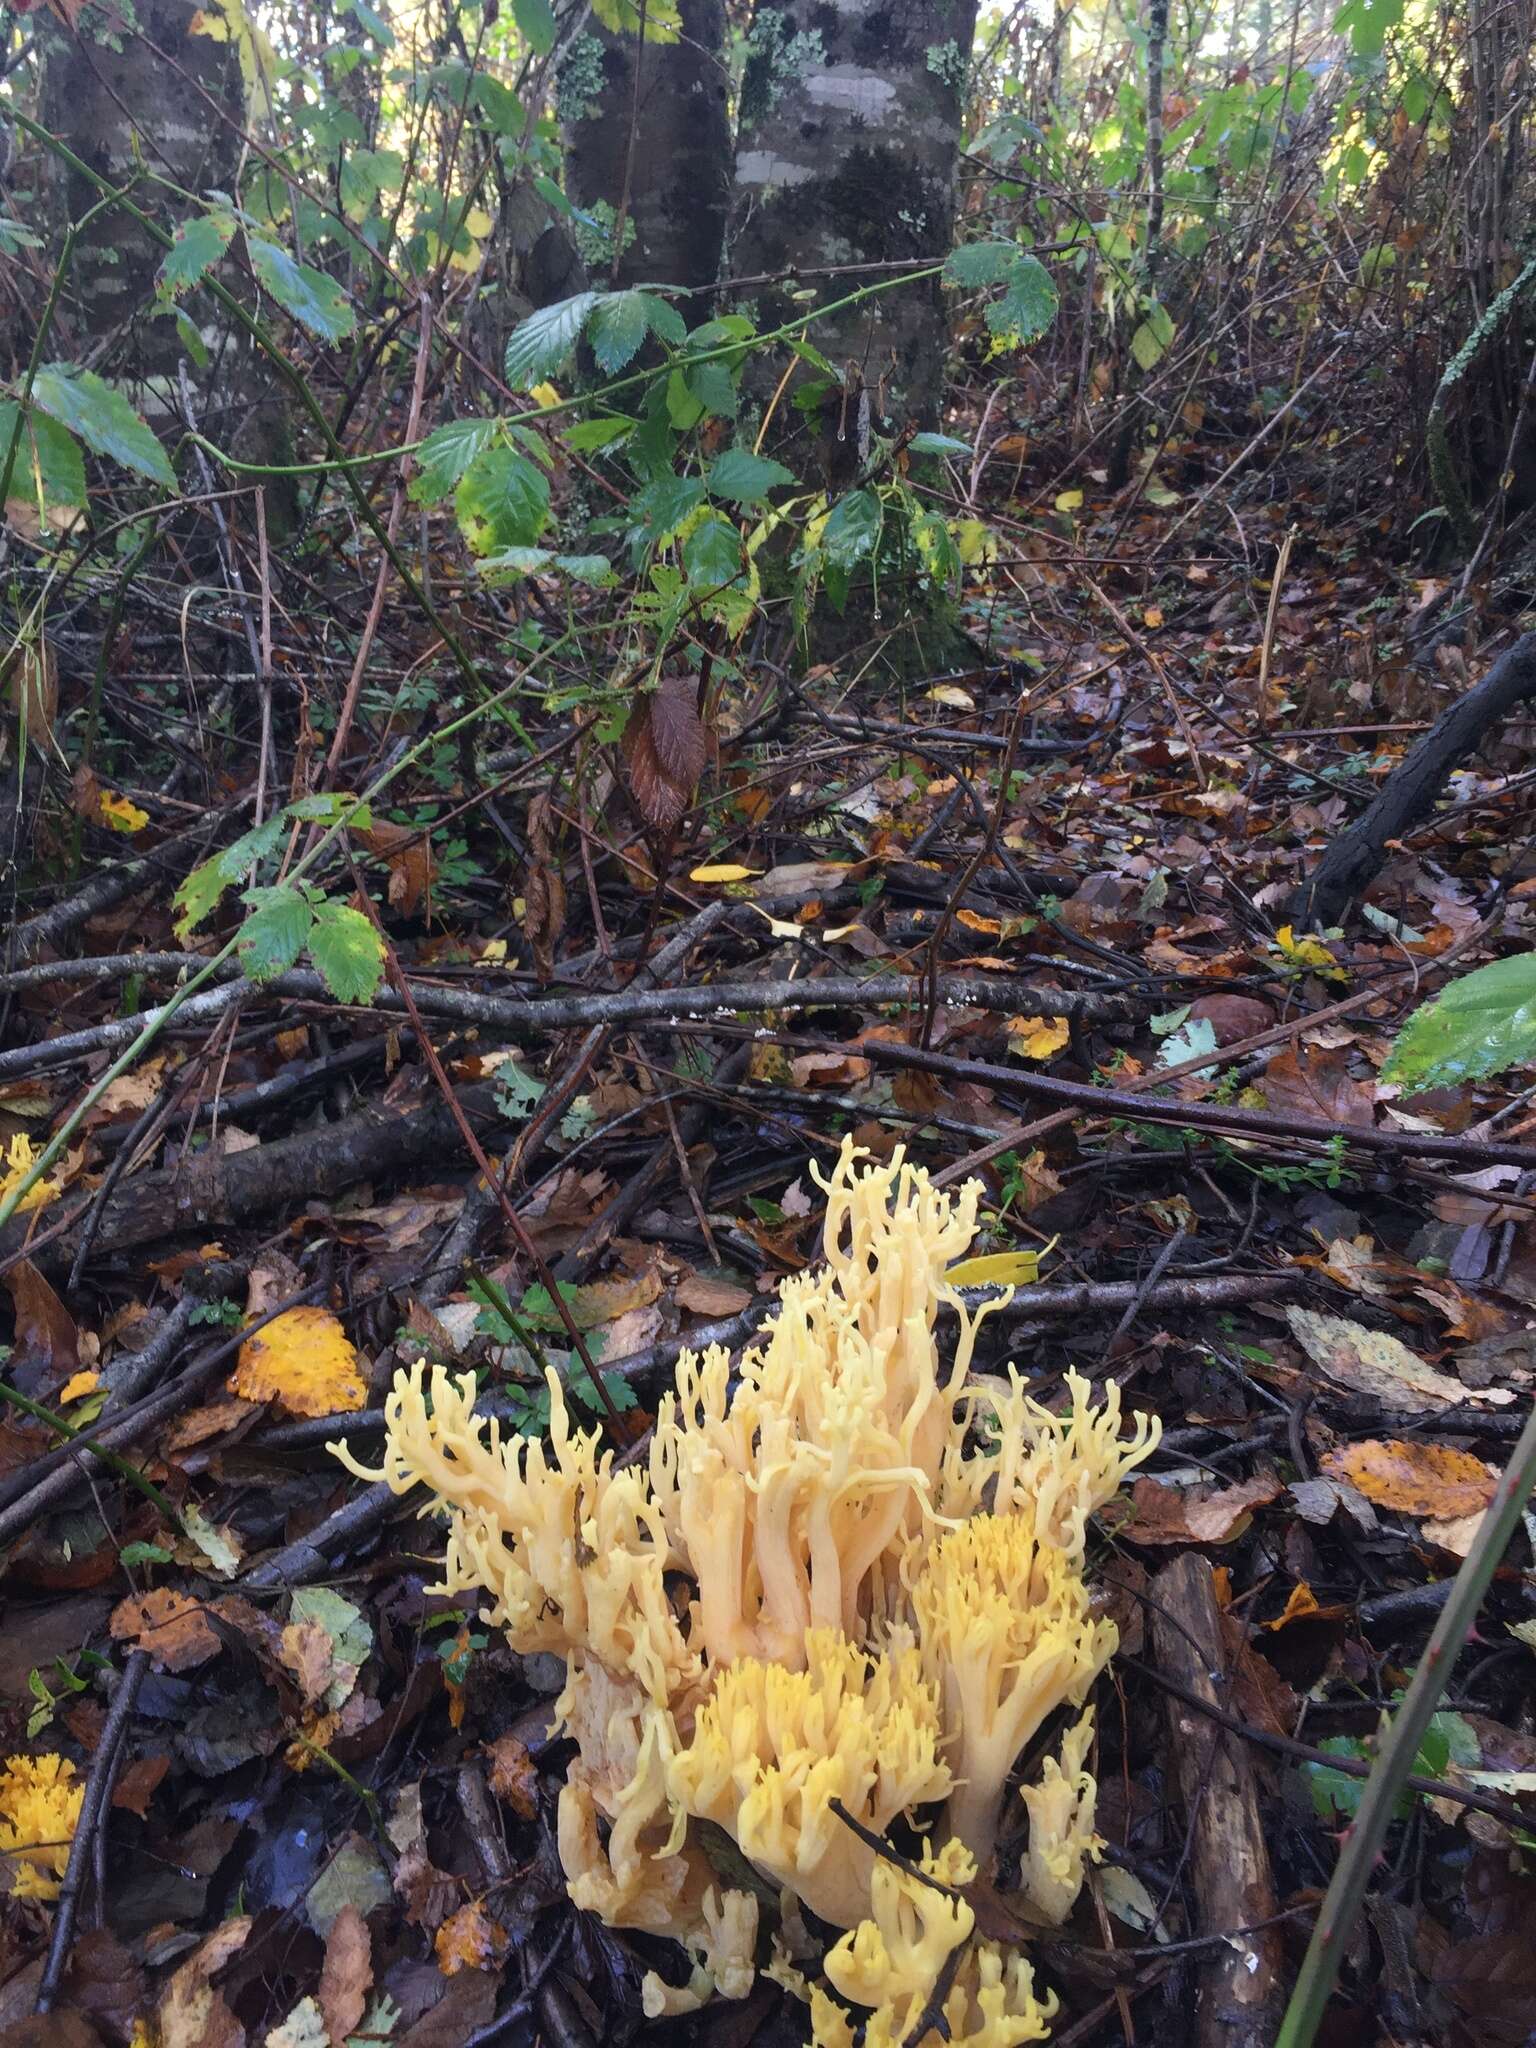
{"x": 494, "y": 953}
{"x": 1415, "y": 1478}
{"x": 1308, "y": 954}
{"x": 79, "y": 1384}
{"x": 1036, "y": 1038}
{"x": 726, "y": 872}
{"x": 952, "y": 695}
{"x": 999, "y": 1269}
{"x": 122, "y": 815}
{"x": 1068, "y": 501}
{"x": 1152, "y": 616}
{"x": 545, "y": 393}
{"x": 304, "y": 1362}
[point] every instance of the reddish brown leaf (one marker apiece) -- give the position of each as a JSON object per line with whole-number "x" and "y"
{"x": 1196, "y": 1514}
{"x": 677, "y": 732}
{"x": 347, "y": 1974}
{"x": 513, "y": 1777}
{"x": 136, "y": 1787}
{"x": 47, "y": 1341}
{"x": 1316, "y": 1082}
{"x": 171, "y": 1626}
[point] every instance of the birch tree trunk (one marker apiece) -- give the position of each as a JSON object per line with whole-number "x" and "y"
{"x": 654, "y": 144}
{"x": 847, "y": 144}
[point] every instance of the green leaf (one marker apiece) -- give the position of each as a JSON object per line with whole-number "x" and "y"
{"x": 143, "y": 1553}
{"x": 617, "y": 328}
{"x": 667, "y": 324}
{"x": 660, "y": 509}
{"x": 542, "y": 343}
{"x": 331, "y": 807}
{"x": 348, "y": 952}
{"x": 978, "y": 263}
{"x": 102, "y": 418}
{"x": 938, "y": 444}
{"x": 1367, "y": 23}
{"x": 685, "y": 408}
{"x": 445, "y": 455}
{"x": 515, "y": 562}
{"x": 502, "y": 501}
{"x": 589, "y": 434}
{"x": 1149, "y": 344}
{"x": 48, "y": 460}
{"x": 200, "y": 893}
{"x": 715, "y": 389}
{"x": 1028, "y": 306}
{"x": 195, "y": 247}
{"x": 274, "y": 935}
{"x": 536, "y": 19}
{"x": 1478, "y": 1026}
{"x": 852, "y": 529}
{"x": 313, "y": 299}
{"x": 712, "y": 553}
{"x": 744, "y": 478}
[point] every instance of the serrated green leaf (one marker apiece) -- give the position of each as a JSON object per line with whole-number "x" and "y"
{"x": 667, "y": 324}
{"x": 660, "y": 509}
{"x": 979, "y": 263}
{"x": 502, "y": 501}
{"x": 143, "y": 1553}
{"x": 48, "y": 460}
{"x": 445, "y": 455}
{"x": 1028, "y": 305}
{"x": 274, "y": 935}
{"x": 852, "y": 529}
{"x": 102, "y": 418}
{"x": 331, "y": 807}
{"x": 313, "y": 299}
{"x": 714, "y": 387}
{"x": 743, "y": 478}
{"x": 200, "y": 893}
{"x": 542, "y": 343}
{"x": 589, "y": 434}
{"x": 712, "y": 553}
{"x": 515, "y": 562}
{"x": 536, "y": 19}
{"x": 347, "y": 951}
{"x": 684, "y": 406}
{"x": 1477, "y": 1026}
{"x": 195, "y": 247}
{"x": 619, "y": 324}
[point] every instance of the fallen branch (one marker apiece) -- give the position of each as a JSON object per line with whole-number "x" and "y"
{"x": 538, "y": 1015}
{"x": 1194, "y": 1116}
{"x": 1408, "y": 795}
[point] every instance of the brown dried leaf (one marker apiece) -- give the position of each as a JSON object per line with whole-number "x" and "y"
{"x": 137, "y": 1785}
{"x": 1375, "y": 1362}
{"x": 708, "y": 1295}
{"x": 171, "y": 1626}
{"x": 46, "y": 1338}
{"x": 407, "y": 852}
{"x": 192, "y": 2014}
{"x": 1316, "y": 1082}
{"x": 664, "y": 751}
{"x": 543, "y": 915}
{"x": 1416, "y": 1478}
{"x": 1196, "y": 1514}
{"x": 347, "y": 1975}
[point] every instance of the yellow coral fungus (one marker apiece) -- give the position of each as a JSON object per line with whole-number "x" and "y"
{"x": 772, "y": 1748}
{"x": 40, "y": 1800}
{"x": 846, "y": 1576}
{"x": 1007, "y": 1636}
{"x": 19, "y": 1158}
{"x": 896, "y": 1960}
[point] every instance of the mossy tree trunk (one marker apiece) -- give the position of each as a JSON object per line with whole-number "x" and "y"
{"x": 128, "y": 100}
{"x": 648, "y": 137}
{"x": 847, "y": 145}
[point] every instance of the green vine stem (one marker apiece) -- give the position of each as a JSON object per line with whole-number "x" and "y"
{"x": 1394, "y": 1762}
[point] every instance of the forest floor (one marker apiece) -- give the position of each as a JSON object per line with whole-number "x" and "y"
{"x": 925, "y": 915}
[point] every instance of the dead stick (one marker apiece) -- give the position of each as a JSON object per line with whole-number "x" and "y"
{"x": 1240, "y": 1988}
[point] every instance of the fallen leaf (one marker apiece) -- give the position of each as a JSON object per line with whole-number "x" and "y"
{"x": 46, "y": 1339}
{"x": 471, "y": 1940}
{"x": 137, "y": 1785}
{"x": 1416, "y": 1478}
{"x": 1456, "y": 1535}
{"x": 1316, "y": 1082}
{"x": 707, "y": 1295}
{"x": 347, "y": 1974}
{"x": 192, "y": 2014}
{"x": 303, "y": 1361}
{"x": 304, "y": 2028}
{"x": 78, "y": 1385}
{"x": 171, "y": 1626}
{"x": 121, "y": 814}
{"x": 1377, "y": 1363}
{"x": 1196, "y": 1514}
{"x": 998, "y": 1269}
{"x": 664, "y": 749}
{"x": 513, "y": 1777}
{"x": 726, "y": 871}
{"x": 1037, "y": 1038}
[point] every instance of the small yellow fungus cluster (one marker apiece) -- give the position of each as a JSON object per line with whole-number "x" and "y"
{"x": 17, "y": 1160}
{"x": 40, "y": 1801}
{"x": 847, "y": 1584}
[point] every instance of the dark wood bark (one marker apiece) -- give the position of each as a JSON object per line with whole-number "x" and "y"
{"x": 1408, "y": 795}
{"x": 662, "y": 154}
{"x": 846, "y": 151}
{"x": 1241, "y": 1990}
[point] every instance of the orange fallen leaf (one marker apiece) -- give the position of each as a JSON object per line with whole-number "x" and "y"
{"x": 1036, "y": 1038}
{"x": 171, "y": 1626}
{"x": 470, "y": 1940}
{"x": 304, "y": 1362}
{"x": 1416, "y": 1478}
{"x": 514, "y": 1779}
